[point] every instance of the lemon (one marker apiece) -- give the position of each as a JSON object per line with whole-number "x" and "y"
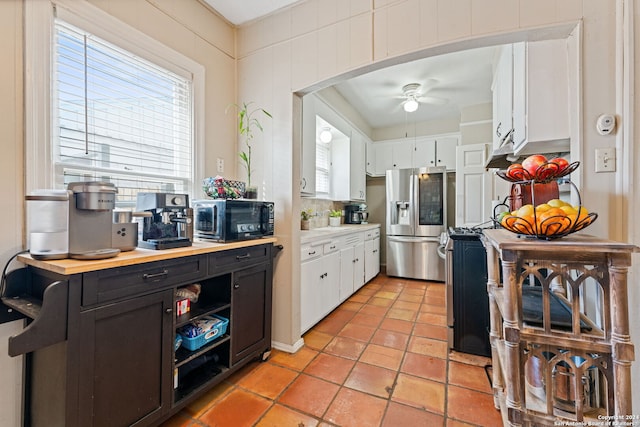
{"x": 525, "y": 211}
{"x": 556, "y": 203}
{"x": 569, "y": 210}
{"x": 543, "y": 207}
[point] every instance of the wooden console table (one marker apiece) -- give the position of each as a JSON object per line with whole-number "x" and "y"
{"x": 559, "y": 335}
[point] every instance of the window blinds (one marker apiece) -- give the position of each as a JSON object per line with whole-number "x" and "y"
{"x": 119, "y": 118}
{"x": 323, "y": 166}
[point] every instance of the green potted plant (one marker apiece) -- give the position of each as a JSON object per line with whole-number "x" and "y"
{"x": 334, "y": 218}
{"x": 305, "y": 216}
{"x": 247, "y": 123}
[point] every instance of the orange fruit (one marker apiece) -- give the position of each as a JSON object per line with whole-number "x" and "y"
{"x": 553, "y": 221}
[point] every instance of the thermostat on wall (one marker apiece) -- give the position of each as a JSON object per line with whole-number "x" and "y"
{"x": 605, "y": 124}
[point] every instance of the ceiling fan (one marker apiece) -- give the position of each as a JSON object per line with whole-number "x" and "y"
{"x": 414, "y": 96}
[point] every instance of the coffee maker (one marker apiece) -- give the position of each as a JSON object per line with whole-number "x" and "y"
{"x": 91, "y": 205}
{"x": 168, "y": 223}
{"x": 356, "y": 214}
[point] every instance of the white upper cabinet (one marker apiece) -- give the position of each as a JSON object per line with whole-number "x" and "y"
{"x": 371, "y": 158}
{"x": 440, "y": 151}
{"x": 531, "y": 94}
{"x": 540, "y": 92}
{"x": 344, "y": 177}
{"x": 348, "y": 170}
{"x": 502, "y": 88}
{"x": 358, "y": 173}
{"x": 395, "y": 154}
{"x": 308, "y": 149}
{"x": 414, "y": 153}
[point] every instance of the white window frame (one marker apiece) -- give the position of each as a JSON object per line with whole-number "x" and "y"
{"x": 39, "y": 45}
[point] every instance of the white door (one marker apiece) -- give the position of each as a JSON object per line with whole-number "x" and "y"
{"x": 473, "y": 186}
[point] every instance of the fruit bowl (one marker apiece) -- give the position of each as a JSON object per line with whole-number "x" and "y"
{"x": 545, "y": 172}
{"x": 548, "y": 224}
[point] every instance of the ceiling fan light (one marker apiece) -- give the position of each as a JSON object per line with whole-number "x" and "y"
{"x": 410, "y": 105}
{"x": 325, "y": 135}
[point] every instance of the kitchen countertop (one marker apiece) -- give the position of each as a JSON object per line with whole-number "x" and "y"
{"x": 307, "y": 236}
{"x": 138, "y": 256}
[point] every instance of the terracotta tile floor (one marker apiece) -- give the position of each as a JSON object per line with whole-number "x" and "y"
{"x": 380, "y": 359}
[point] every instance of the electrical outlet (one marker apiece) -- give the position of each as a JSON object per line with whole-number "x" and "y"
{"x": 220, "y": 165}
{"x": 605, "y": 159}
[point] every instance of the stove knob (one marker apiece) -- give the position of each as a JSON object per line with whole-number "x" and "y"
{"x": 177, "y": 200}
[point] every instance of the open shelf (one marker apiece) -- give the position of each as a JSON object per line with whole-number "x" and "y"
{"x": 197, "y": 370}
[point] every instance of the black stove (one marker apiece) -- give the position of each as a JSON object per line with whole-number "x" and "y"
{"x": 465, "y": 233}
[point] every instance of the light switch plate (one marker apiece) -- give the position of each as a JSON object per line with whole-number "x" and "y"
{"x": 605, "y": 159}
{"x": 220, "y": 165}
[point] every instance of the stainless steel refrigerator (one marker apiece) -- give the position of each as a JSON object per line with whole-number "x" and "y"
{"x": 416, "y": 218}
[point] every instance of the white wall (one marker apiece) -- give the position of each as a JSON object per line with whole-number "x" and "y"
{"x": 318, "y": 42}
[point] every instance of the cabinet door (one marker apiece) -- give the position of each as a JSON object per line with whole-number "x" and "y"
{"x": 446, "y": 152}
{"x": 502, "y": 95}
{"x": 371, "y": 159}
{"x": 402, "y": 153}
{"x": 125, "y": 371}
{"x": 310, "y": 297}
{"x": 372, "y": 259}
{"x": 384, "y": 158}
{"x": 358, "y": 266}
{"x": 346, "y": 272}
{"x": 330, "y": 283}
{"x": 250, "y": 312}
{"x": 424, "y": 154}
{"x": 358, "y": 171}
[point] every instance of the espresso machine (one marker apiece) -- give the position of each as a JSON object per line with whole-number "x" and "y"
{"x": 168, "y": 222}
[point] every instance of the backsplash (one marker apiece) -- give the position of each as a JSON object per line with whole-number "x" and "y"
{"x": 320, "y": 211}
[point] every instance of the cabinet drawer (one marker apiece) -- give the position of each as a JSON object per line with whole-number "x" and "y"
{"x": 106, "y": 285}
{"x": 372, "y": 234}
{"x": 308, "y": 252}
{"x": 238, "y": 258}
{"x": 330, "y": 247}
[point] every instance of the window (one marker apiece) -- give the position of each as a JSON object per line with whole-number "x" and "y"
{"x": 120, "y": 110}
{"x": 118, "y": 118}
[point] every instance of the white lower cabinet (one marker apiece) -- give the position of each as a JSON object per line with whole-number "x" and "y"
{"x": 351, "y": 265}
{"x": 319, "y": 283}
{"x": 332, "y": 269}
{"x": 371, "y": 254}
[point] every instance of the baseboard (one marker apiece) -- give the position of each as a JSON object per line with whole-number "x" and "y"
{"x": 288, "y": 348}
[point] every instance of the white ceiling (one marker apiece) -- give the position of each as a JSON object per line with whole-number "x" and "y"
{"x": 458, "y": 79}
{"x": 240, "y": 11}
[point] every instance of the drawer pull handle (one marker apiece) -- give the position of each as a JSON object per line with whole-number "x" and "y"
{"x": 147, "y": 276}
{"x": 241, "y": 257}
{"x": 312, "y": 253}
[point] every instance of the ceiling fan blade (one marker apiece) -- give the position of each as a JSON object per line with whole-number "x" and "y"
{"x": 432, "y": 100}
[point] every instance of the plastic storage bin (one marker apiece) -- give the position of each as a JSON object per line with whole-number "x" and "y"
{"x": 217, "y": 331}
